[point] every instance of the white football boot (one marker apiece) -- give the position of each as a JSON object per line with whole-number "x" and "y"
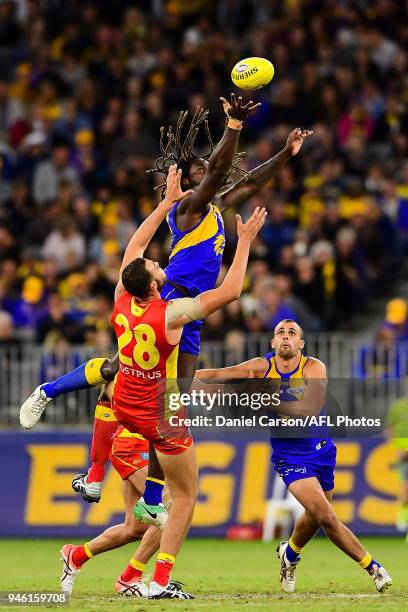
{"x": 381, "y": 577}
{"x": 89, "y": 491}
{"x": 33, "y": 407}
{"x": 172, "y": 590}
{"x": 131, "y": 588}
{"x": 287, "y": 569}
{"x": 69, "y": 571}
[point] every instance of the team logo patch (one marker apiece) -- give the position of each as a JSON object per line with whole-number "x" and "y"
{"x": 219, "y": 244}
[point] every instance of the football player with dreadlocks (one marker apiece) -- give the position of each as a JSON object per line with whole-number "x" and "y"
{"x": 195, "y": 260}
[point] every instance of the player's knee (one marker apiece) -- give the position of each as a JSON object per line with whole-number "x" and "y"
{"x": 110, "y": 368}
{"x": 326, "y": 519}
{"x": 134, "y": 530}
{"x": 186, "y": 494}
{"x": 310, "y": 519}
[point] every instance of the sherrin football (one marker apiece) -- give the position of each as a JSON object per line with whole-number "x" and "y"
{"x": 252, "y": 73}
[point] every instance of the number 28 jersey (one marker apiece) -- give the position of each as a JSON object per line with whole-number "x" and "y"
{"x": 146, "y": 359}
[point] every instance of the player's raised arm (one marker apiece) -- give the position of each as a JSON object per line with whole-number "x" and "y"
{"x": 182, "y": 311}
{"x": 258, "y": 177}
{"x": 143, "y": 235}
{"x": 220, "y": 161}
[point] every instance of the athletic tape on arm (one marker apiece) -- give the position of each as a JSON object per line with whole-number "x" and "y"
{"x": 187, "y": 307}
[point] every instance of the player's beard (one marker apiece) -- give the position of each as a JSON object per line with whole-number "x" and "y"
{"x": 286, "y": 352}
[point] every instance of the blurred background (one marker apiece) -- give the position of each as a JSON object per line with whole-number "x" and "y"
{"x": 84, "y": 89}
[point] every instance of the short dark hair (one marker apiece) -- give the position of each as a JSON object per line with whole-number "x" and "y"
{"x": 290, "y": 321}
{"x": 136, "y": 279}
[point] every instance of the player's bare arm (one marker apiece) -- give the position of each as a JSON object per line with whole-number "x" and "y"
{"x": 253, "y": 368}
{"x": 313, "y": 399}
{"x": 143, "y": 235}
{"x": 182, "y": 311}
{"x": 260, "y": 176}
{"x": 219, "y": 163}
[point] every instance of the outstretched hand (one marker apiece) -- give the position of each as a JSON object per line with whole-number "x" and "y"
{"x": 174, "y": 192}
{"x": 296, "y": 138}
{"x": 250, "y": 229}
{"x": 236, "y": 110}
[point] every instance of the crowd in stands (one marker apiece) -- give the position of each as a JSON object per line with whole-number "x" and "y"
{"x": 84, "y": 89}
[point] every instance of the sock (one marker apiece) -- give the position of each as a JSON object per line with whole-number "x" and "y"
{"x": 292, "y": 551}
{"x": 153, "y": 491}
{"x": 367, "y": 562}
{"x": 81, "y": 554}
{"x": 84, "y": 376}
{"x": 134, "y": 571}
{"x": 105, "y": 425}
{"x": 162, "y": 568}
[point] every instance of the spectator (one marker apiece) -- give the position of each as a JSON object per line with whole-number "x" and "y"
{"x": 350, "y": 281}
{"x": 58, "y": 320}
{"x": 6, "y": 328}
{"x": 65, "y": 245}
{"x": 309, "y": 286}
{"x": 396, "y": 317}
{"x": 29, "y": 308}
{"x": 49, "y": 174}
{"x": 273, "y": 308}
{"x": 82, "y": 99}
{"x": 57, "y": 358}
{"x": 383, "y": 359}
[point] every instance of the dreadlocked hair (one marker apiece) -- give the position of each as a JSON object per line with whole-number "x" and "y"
{"x": 181, "y": 151}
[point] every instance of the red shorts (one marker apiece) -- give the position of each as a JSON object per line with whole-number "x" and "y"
{"x": 166, "y": 438}
{"x": 129, "y": 453}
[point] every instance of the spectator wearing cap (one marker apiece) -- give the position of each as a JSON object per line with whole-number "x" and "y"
{"x": 86, "y": 160}
{"x": 31, "y": 153}
{"x": 30, "y": 307}
{"x": 396, "y": 317}
{"x": 76, "y": 292}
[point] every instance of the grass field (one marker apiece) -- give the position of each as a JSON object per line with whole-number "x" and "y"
{"x": 224, "y": 575}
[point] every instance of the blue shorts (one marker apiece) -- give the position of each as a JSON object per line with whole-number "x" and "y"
{"x": 322, "y": 467}
{"x": 190, "y": 338}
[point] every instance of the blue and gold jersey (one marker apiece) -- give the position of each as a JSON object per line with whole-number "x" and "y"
{"x": 291, "y": 387}
{"x": 196, "y": 254}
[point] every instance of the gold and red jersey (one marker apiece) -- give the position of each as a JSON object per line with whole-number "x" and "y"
{"x": 147, "y": 361}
